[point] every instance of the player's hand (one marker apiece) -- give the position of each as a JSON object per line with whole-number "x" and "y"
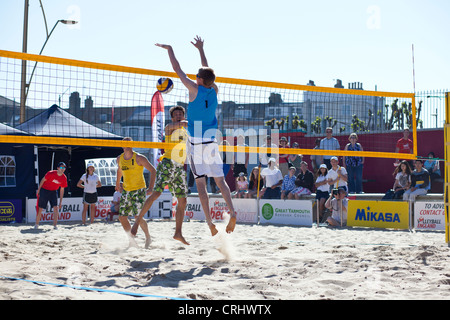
{"x": 198, "y": 42}
{"x": 164, "y": 46}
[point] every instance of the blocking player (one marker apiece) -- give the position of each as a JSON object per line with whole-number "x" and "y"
{"x": 203, "y": 150}
{"x": 170, "y": 171}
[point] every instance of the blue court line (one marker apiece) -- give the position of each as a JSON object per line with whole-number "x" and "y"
{"x": 95, "y": 289}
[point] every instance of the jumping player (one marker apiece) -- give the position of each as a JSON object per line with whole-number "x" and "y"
{"x": 130, "y": 166}
{"x": 203, "y": 150}
{"x": 170, "y": 171}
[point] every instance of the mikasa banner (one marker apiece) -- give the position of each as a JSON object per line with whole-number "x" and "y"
{"x": 378, "y": 214}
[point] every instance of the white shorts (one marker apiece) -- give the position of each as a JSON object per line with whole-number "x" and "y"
{"x": 204, "y": 159}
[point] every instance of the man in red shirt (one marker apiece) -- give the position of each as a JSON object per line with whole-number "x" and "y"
{"x": 47, "y": 192}
{"x": 404, "y": 145}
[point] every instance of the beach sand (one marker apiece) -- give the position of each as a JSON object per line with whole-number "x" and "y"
{"x": 255, "y": 262}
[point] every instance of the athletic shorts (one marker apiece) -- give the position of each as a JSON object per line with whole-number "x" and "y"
{"x": 131, "y": 202}
{"x": 169, "y": 173}
{"x": 204, "y": 159}
{"x": 46, "y": 196}
{"x": 90, "y": 198}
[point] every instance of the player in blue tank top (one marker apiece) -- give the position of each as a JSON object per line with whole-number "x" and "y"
{"x": 202, "y": 127}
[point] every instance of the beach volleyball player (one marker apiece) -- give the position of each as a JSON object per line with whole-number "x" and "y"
{"x": 202, "y": 148}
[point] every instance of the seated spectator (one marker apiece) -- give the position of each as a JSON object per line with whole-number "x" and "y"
{"x": 402, "y": 179}
{"x": 420, "y": 182}
{"x": 242, "y": 186}
{"x": 295, "y": 159}
{"x": 283, "y": 159}
{"x": 322, "y": 189}
{"x": 115, "y": 202}
{"x": 272, "y": 180}
{"x": 432, "y": 166}
{"x": 337, "y": 175}
{"x": 253, "y": 185}
{"x": 288, "y": 184}
{"x": 338, "y": 203}
{"x": 304, "y": 182}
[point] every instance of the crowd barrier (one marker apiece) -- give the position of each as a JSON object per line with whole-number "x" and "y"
{"x": 426, "y": 213}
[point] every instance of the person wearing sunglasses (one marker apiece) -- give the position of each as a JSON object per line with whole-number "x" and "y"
{"x": 47, "y": 192}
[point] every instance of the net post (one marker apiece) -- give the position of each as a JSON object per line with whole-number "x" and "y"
{"x": 447, "y": 162}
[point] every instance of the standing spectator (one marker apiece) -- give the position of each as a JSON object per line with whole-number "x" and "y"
{"x": 404, "y": 145}
{"x": 295, "y": 159}
{"x": 402, "y": 179}
{"x": 253, "y": 185}
{"x": 264, "y": 157}
{"x": 329, "y": 143}
{"x": 420, "y": 182}
{"x": 432, "y": 166}
{"x": 322, "y": 189}
{"x": 338, "y": 203}
{"x": 284, "y": 158}
{"x": 337, "y": 175}
{"x": 288, "y": 184}
{"x": 316, "y": 160}
{"x": 304, "y": 182}
{"x": 89, "y": 182}
{"x": 354, "y": 165}
{"x": 46, "y": 192}
{"x": 241, "y": 159}
{"x": 272, "y": 180}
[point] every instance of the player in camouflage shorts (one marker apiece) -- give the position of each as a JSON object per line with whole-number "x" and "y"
{"x": 173, "y": 175}
{"x": 131, "y": 202}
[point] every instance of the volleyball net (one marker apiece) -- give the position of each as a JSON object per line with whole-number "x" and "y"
{"x": 71, "y": 102}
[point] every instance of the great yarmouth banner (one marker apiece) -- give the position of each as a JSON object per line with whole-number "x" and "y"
{"x": 378, "y": 214}
{"x": 286, "y": 212}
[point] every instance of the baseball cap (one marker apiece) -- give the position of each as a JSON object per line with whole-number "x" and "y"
{"x": 334, "y": 158}
{"x": 62, "y": 164}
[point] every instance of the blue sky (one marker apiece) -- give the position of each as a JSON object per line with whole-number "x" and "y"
{"x": 288, "y": 41}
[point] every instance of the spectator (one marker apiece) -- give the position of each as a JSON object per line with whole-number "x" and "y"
{"x": 242, "y": 186}
{"x": 288, "y": 184}
{"x": 272, "y": 180}
{"x": 89, "y": 182}
{"x": 304, "y": 182}
{"x": 354, "y": 165}
{"x": 432, "y": 166}
{"x": 241, "y": 159}
{"x": 283, "y": 158}
{"x": 337, "y": 175}
{"x": 253, "y": 185}
{"x": 115, "y": 202}
{"x": 322, "y": 189}
{"x": 295, "y": 159}
{"x": 402, "y": 179}
{"x": 316, "y": 160}
{"x": 420, "y": 182}
{"x": 338, "y": 203}
{"x": 264, "y": 157}
{"x": 329, "y": 143}
{"x": 404, "y": 145}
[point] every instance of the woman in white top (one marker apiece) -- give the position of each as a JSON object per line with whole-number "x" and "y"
{"x": 89, "y": 182}
{"x": 402, "y": 179}
{"x": 322, "y": 189}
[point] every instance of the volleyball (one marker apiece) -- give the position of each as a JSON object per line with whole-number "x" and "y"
{"x": 164, "y": 85}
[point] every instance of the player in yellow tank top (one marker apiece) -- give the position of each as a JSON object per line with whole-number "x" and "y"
{"x": 130, "y": 166}
{"x": 133, "y": 174}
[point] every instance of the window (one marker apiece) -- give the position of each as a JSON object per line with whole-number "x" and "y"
{"x": 7, "y": 171}
{"x": 106, "y": 170}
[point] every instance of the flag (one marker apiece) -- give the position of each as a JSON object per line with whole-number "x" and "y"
{"x": 157, "y": 115}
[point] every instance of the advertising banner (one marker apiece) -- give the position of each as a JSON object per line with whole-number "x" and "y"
{"x": 429, "y": 216}
{"x": 71, "y": 210}
{"x": 11, "y": 211}
{"x": 287, "y": 212}
{"x": 378, "y": 214}
{"x": 247, "y": 209}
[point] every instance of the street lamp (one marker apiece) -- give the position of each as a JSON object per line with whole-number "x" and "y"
{"x": 24, "y": 87}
